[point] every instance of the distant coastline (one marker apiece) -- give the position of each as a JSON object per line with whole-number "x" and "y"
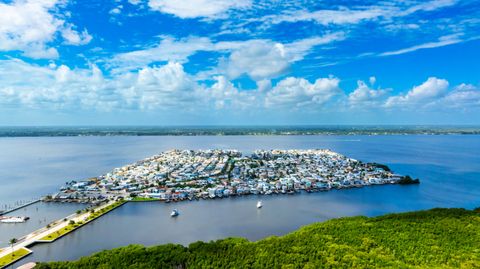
{"x": 66, "y": 131}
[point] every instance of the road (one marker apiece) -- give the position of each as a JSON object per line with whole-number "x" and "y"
{"x": 35, "y": 236}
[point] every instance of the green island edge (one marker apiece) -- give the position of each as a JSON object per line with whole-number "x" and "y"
{"x": 435, "y": 238}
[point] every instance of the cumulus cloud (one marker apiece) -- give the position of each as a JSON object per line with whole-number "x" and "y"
{"x": 300, "y": 93}
{"x": 430, "y": 90}
{"x": 225, "y": 94}
{"x": 165, "y": 87}
{"x": 197, "y": 8}
{"x": 259, "y": 60}
{"x": 30, "y": 25}
{"x": 463, "y": 97}
{"x": 364, "y": 96}
{"x": 169, "y": 88}
{"x": 264, "y": 59}
{"x": 152, "y": 88}
{"x": 49, "y": 87}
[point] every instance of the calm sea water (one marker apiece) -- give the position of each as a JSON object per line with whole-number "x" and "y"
{"x": 448, "y": 166}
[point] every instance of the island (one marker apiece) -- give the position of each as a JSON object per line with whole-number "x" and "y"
{"x": 179, "y": 175}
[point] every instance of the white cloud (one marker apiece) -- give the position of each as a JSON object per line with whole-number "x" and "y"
{"x": 355, "y": 15}
{"x": 135, "y": 2}
{"x": 264, "y": 59}
{"x": 297, "y": 50}
{"x": 264, "y": 85}
{"x": 169, "y": 49}
{"x": 73, "y": 37}
{"x": 49, "y": 87}
{"x": 156, "y": 88}
{"x": 427, "y": 92}
{"x": 225, "y": 94}
{"x": 301, "y": 94}
{"x": 258, "y": 58}
{"x": 463, "y": 97}
{"x": 326, "y": 17}
{"x": 442, "y": 41}
{"x": 429, "y": 6}
{"x": 166, "y": 86}
{"x": 30, "y": 26}
{"x": 372, "y": 80}
{"x": 364, "y": 96}
{"x": 197, "y": 8}
{"x": 116, "y": 10}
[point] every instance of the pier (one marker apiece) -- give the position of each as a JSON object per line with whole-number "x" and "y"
{"x": 19, "y": 207}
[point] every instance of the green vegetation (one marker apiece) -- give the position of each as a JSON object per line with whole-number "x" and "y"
{"x": 437, "y": 238}
{"x": 143, "y": 199}
{"x": 18, "y": 254}
{"x": 381, "y": 166}
{"x": 72, "y": 225}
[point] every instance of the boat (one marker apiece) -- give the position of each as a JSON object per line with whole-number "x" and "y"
{"x": 13, "y": 219}
{"x": 174, "y": 213}
{"x": 259, "y": 204}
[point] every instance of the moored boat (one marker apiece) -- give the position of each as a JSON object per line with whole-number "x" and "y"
{"x": 13, "y": 219}
{"x": 174, "y": 213}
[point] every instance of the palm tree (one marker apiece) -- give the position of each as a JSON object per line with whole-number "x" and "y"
{"x": 12, "y": 242}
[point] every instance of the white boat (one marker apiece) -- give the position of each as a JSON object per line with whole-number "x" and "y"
{"x": 174, "y": 213}
{"x": 259, "y": 204}
{"x": 14, "y": 219}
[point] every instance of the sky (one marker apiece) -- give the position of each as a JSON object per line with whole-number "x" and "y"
{"x": 239, "y": 62}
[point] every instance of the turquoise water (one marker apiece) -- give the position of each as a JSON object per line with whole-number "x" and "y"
{"x": 448, "y": 166}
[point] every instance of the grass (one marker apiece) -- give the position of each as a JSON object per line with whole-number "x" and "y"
{"x": 144, "y": 199}
{"x": 17, "y": 255}
{"x": 71, "y": 227}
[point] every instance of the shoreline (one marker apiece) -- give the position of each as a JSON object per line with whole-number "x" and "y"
{"x": 248, "y": 134}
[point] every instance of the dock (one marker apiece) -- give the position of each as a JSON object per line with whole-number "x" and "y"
{"x": 19, "y": 207}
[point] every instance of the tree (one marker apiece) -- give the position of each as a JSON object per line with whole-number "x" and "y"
{"x": 12, "y": 242}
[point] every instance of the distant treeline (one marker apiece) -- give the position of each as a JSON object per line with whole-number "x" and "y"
{"x": 234, "y": 130}
{"x": 437, "y": 238}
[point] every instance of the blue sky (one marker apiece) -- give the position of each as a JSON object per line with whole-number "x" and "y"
{"x": 209, "y": 62}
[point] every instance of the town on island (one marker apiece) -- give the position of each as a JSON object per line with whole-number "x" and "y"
{"x": 178, "y": 175}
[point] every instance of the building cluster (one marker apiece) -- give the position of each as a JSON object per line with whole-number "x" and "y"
{"x": 193, "y": 174}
